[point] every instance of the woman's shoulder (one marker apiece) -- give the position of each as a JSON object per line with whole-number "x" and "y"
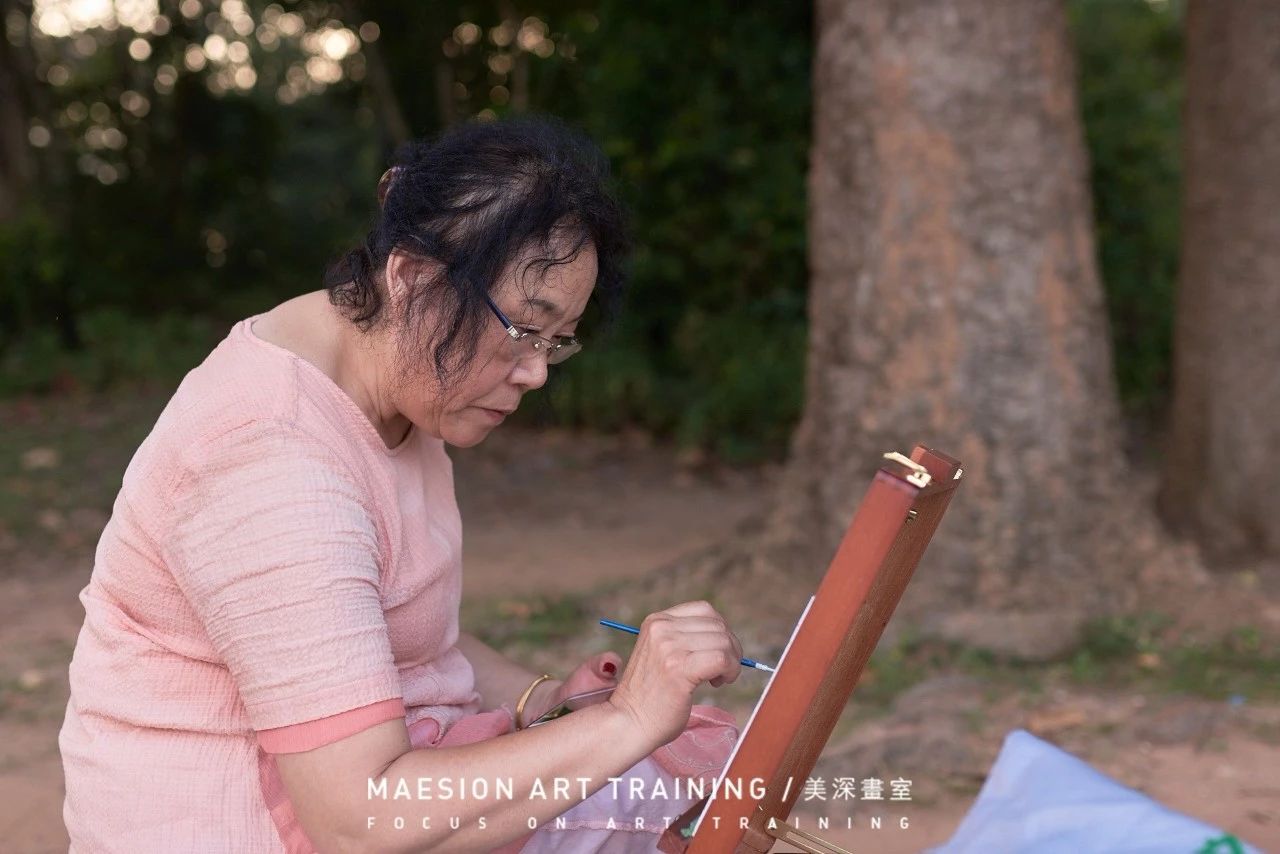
{"x": 237, "y": 383}
{"x": 273, "y": 366}
{"x": 245, "y": 387}
{"x": 264, "y": 390}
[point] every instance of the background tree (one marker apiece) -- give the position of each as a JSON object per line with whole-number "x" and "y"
{"x": 169, "y": 167}
{"x": 1225, "y": 422}
{"x": 1130, "y": 62}
{"x": 955, "y": 300}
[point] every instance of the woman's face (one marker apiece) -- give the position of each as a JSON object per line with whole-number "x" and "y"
{"x": 480, "y": 397}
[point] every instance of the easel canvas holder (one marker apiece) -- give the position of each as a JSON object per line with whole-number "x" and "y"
{"x": 823, "y": 662}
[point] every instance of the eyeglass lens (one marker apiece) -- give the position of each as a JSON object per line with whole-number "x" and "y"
{"x": 530, "y": 344}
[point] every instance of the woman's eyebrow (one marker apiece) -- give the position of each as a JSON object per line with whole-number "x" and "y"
{"x": 549, "y": 307}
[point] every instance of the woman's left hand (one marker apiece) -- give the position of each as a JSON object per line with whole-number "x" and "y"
{"x": 598, "y": 671}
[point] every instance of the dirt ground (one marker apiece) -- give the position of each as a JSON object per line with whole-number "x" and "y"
{"x": 550, "y": 513}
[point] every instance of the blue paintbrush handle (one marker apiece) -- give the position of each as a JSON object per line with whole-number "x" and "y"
{"x": 623, "y": 627}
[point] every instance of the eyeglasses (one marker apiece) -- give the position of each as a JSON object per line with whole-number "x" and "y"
{"x": 526, "y": 343}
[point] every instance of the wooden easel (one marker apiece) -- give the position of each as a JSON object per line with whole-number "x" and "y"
{"x": 822, "y": 663}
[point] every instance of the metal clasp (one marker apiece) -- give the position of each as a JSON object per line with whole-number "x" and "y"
{"x": 919, "y": 474}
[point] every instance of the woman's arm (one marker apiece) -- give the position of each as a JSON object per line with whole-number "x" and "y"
{"x": 500, "y": 680}
{"x": 677, "y": 650}
{"x": 331, "y": 792}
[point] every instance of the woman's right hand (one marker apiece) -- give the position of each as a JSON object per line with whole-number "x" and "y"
{"x": 678, "y": 649}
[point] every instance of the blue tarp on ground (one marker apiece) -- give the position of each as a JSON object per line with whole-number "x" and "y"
{"x": 1039, "y": 799}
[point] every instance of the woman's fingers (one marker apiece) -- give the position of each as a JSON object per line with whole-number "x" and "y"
{"x": 737, "y": 645}
{"x": 713, "y": 663}
{"x": 597, "y": 671}
{"x": 692, "y": 624}
{"x": 713, "y": 642}
{"x": 678, "y": 649}
{"x": 609, "y": 666}
{"x": 699, "y": 608}
{"x": 677, "y": 638}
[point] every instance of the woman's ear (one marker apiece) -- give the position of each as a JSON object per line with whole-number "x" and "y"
{"x": 403, "y": 271}
{"x": 397, "y": 267}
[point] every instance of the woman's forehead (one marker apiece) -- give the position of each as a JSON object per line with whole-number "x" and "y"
{"x": 556, "y": 289}
{"x": 544, "y": 305}
{"x": 547, "y": 307}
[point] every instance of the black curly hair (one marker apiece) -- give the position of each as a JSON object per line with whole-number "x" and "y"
{"x": 474, "y": 200}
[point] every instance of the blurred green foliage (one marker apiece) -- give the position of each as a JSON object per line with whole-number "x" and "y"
{"x": 1145, "y": 649}
{"x": 707, "y": 123}
{"x": 1142, "y": 651}
{"x": 1130, "y": 71}
{"x": 229, "y": 201}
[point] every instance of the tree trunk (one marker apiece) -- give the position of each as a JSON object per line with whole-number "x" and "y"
{"x": 1224, "y": 441}
{"x": 955, "y": 301}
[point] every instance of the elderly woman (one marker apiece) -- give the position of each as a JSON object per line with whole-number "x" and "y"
{"x": 271, "y": 650}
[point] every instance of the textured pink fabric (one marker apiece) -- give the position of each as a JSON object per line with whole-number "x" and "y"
{"x": 299, "y": 738}
{"x": 274, "y": 578}
{"x": 701, "y": 751}
{"x": 268, "y": 562}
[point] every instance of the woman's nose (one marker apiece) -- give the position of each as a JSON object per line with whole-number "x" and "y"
{"x": 531, "y": 372}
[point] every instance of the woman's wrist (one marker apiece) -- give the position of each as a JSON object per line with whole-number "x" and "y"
{"x": 542, "y": 695}
{"x": 545, "y": 697}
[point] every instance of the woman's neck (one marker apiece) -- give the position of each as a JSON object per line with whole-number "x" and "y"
{"x": 358, "y": 363}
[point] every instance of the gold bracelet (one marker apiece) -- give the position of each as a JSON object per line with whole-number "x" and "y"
{"x": 524, "y": 698}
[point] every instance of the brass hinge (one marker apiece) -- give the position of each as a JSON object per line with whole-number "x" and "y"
{"x": 919, "y": 474}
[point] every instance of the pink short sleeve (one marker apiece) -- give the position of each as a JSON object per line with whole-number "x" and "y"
{"x": 275, "y": 546}
{"x": 297, "y": 738}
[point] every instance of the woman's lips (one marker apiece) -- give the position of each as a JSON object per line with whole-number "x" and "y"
{"x": 495, "y": 414}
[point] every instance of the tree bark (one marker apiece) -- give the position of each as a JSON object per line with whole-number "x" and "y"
{"x": 1224, "y": 439}
{"x": 955, "y": 301}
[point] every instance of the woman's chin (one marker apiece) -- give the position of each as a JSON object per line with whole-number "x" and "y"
{"x": 467, "y": 437}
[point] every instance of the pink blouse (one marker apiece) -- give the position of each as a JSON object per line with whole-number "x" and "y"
{"x": 272, "y": 578}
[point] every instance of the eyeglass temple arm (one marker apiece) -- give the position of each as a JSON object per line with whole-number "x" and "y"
{"x": 510, "y": 327}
